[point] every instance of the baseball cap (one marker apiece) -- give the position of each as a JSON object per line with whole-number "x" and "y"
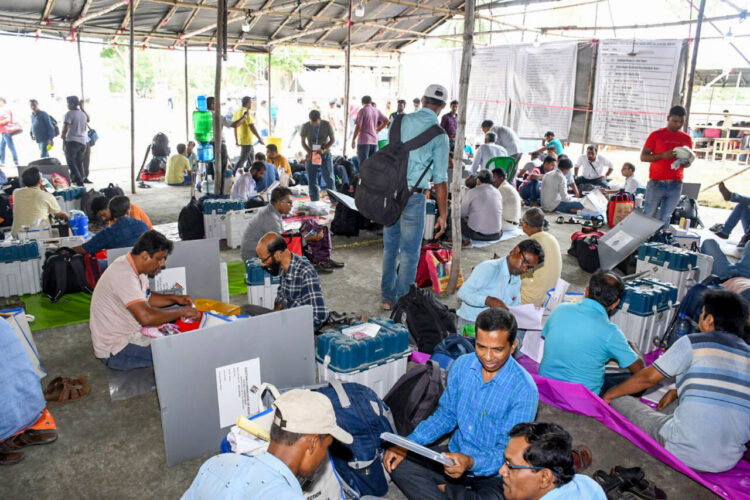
{"x": 307, "y": 412}
{"x": 437, "y": 91}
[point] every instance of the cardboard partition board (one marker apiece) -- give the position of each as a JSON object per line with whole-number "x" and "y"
{"x": 201, "y": 260}
{"x": 185, "y": 367}
{"x": 625, "y": 238}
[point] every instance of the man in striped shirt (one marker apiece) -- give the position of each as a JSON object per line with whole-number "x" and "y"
{"x": 487, "y": 393}
{"x": 710, "y": 425}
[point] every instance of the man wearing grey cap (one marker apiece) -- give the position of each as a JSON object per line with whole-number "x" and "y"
{"x": 75, "y": 139}
{"x": 404, "y": 238}
{"x": 304, "y": 426}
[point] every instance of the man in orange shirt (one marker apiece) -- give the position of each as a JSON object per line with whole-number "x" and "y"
{"x": 100, "y": 206}
{"x": 665, "y": 183}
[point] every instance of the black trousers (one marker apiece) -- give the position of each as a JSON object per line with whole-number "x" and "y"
{"x": 581, "y": 180}
{"x": 468, "y": 233}
{"x": 418, "y": 478}
{"x": 74, "y": 155}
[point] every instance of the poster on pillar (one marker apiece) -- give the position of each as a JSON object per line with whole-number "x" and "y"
{"x": 491, "y": 68}
{"x": 634, "y": 88}
{"x": 542, "y": 89}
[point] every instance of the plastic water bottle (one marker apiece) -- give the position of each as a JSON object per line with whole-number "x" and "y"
{"x": 683, "y": 327}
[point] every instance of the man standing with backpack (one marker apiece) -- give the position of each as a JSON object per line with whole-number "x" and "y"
{"x": 404, "y": 237}
{"x": 43, "y": 128}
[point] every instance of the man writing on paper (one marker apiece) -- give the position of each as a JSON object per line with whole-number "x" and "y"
{"x": 304, "y": 426}
{"x": 487, "y": 394}
{"x": 579, "y": 354}
{"x": 497, "y": 282}
{"x": 122, "y": 304}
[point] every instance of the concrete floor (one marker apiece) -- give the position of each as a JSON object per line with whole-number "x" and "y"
{"x": 115, "y": 449}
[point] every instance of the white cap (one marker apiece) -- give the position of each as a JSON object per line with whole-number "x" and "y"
{"x": 437, "y": 91}
{"x": 308, "y": 412}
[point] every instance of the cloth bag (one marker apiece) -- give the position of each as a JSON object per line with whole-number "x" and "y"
{"x": 439, "y": 266}
{"x": 18, "y": 321}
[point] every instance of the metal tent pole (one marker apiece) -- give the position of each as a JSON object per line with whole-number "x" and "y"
{"x": 132, "y": 102}
{"x": 80, "y": 63}
{"x": 458, "y": 166}
{"x": 270, "y": 121}
{"x": 219, "y": 171}
{"x": 347, "y": 77}
{"x": 187, "y": 97}
{"x": 693, "y": 62}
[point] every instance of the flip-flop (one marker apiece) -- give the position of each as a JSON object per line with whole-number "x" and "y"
{"x": 560, "y": 220}
{"x": 582, "y": 457}
{"x": 634, "y": 481}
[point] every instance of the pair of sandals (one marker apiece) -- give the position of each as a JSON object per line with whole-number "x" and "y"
{"x": 627, "y": 482}
{"x": 64, "y": 389}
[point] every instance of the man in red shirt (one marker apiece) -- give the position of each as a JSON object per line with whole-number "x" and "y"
{"x": 665, "y": 183}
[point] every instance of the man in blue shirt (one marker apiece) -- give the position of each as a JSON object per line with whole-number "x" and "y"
{"x": 42, "y": 128}
{"x": 270, "y": 176}
{"x": 551, "y": 140}
{"x": 404, "y": 237}
{"x": 497, "y": 282}
{"x": 539, "y": 466}
{"x": 123, "y": 233}
{"x": 487, "y": 394}
{"x": 579, "y": 354}
{"x": 304, "y": 426}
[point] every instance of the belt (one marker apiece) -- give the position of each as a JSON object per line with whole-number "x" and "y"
{"x": 670, "y": 181}
{"x": 418, "y": 190}
{"x": 511, "y": 222}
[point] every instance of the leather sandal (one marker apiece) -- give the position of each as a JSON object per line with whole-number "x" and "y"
{"x": 72, "y": 390}
{"x": 582, "y": 457}
{"x": 634, "y": 481}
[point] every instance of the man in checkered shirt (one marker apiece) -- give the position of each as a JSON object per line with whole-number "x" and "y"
{"x": 300, "y": 284}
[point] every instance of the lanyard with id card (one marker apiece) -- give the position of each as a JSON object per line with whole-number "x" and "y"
{"x": 316, "y": 157}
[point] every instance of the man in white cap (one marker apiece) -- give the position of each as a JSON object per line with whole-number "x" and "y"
{"x": 303, "y": 428}
{"x": 404, "y": 238}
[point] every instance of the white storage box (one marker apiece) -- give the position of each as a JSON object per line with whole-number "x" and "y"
{"x": 236, "y": 222}
{"x": 378, "y": 377}
{"x": 215, "y": 226}
{"x": 262, "y": 295}
{"x": 687, "y": 239}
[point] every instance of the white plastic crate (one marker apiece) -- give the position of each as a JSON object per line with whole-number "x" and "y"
{"x": 262, "y": 295}
{"x": 236, "y": 222}
{"x": 215, "y": 226}
{"x": 379, "y": 377}
{"x": 20, "y": 277}
{"x": 55, "y": 243}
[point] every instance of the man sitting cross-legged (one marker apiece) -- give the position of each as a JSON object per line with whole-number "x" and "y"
{"x": 487, "y": 393}
{"x": 710, "y": 425}
{"x": 122, "y": 304}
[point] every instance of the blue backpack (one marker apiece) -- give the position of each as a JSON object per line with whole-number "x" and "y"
{"x": 450, "y": 348}
{"x": 362, "y": 414}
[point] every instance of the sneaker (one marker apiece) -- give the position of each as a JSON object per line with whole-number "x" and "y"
{"x": 87, "y": 181}
{"x": 716, "y": 228}
{"x": 744, "y": 240}
{"x": 722, "y": 235}
{"x": 335, "y": 264}
{"x": 726, "y": 193}
{"x": 322, "y": 269}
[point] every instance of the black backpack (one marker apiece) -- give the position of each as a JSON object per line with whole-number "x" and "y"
{"x": 45, "y": 161}
{"x": 160, "y": 145}
{"x": 64, "y": 271}
{"x": 87, "y": 197}
{"x": 383, "y": 192}
{"x": 6, "y": 211}
{"x": 157, "y": 165}
{"x": 112, "y": 190}
{"x": 688, "y": 208}
{"x": 190, "y": 221}
{"x": 345, "y": 221}
{"x": 55, "y": 126}
{"x": 415, "y": 396}
{"x": 429, "y": 321}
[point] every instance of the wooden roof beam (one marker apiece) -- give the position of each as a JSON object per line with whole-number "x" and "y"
{"x": 164, "y": 20}
{"x": 98, "y": 13}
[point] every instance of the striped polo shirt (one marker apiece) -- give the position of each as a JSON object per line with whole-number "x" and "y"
{"x": 712, "y": 421}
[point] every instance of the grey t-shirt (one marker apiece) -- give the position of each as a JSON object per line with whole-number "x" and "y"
{"x": 319, "y": 134}
{"x": 267, "y": 220}
{"x": 76, "y": 121}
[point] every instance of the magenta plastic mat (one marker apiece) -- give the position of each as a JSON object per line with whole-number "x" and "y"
{"x": 575, "y": 398}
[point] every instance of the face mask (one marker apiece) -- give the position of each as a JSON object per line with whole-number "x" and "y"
{"x": 274, "y": 269}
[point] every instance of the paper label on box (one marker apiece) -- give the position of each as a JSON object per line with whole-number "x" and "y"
{"x": 618, "y": 242}
{"x": 171, "y": 281}
{"x": 236, "y": 387}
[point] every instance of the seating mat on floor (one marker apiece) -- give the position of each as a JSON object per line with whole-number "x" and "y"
{"x": 236, "y": 275}
{"x": 72, "y": 308}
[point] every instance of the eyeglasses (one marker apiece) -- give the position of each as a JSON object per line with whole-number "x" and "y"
{"x": 263, "y": 260}
{"x": 528, "y": 467}
{"x": 525, "y": 262}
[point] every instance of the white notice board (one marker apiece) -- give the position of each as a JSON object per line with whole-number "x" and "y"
{"x": 543, "y": 87}
{"x": 633, "y": 93}
{"x": 491, "y": 68}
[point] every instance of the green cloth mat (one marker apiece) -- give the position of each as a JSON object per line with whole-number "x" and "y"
{"x": 236, "y": 275}
{"x": 70, "y": 309}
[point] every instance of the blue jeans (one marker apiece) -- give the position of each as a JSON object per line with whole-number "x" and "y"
{"x": 43, "y": 148}
{"x": 662, "y": 197}
{"x": 132, "y": 356}
{"x": 312, "y": 176}
{"x": 405, "y": 238}
{"x": 567, "y": 206}
{"x": 364, "y": 151}
{"x": 187, "y": 179}
{"x": 722, "y": 267}
{"x": 8, "y": 140}
{"x": 740, "y": 212}
{"x": 530, "y": 191}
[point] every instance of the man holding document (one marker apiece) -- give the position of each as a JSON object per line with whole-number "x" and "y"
{"x": 487, "y": 393}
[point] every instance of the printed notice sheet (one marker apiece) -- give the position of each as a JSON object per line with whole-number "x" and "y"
{"x": 235, "y": 390}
